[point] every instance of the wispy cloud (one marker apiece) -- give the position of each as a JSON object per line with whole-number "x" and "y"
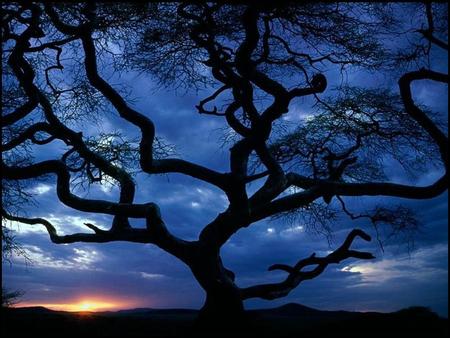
{"x": 146, "y": 275}
{"x": 64, "y": 224}
{"x": 79, "y": 259}
{"x": 41, "y": 189}
{"x": 419, "y": 266}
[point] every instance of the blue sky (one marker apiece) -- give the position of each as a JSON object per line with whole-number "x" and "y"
{"x": 144, "y": 276}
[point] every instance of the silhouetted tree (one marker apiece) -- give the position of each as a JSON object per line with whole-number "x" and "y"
{"x": 260, "y": 58}
{"x": 10, "y": 298}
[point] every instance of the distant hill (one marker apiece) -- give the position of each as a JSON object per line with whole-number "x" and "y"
{"x": 149, "y": 312}
{"x": 290, "y": 320}
{"x": 33, "y": 310}
{"x": 290, "y": 309}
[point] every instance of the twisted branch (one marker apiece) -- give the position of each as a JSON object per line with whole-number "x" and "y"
{"x": 297, "y": 275}
{"x": 156, "y": 233}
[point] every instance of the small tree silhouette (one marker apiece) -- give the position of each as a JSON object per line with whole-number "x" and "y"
{"x": 10, "y": 298}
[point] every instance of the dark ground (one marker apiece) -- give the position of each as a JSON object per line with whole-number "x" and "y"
{"x": 291, "y": 320}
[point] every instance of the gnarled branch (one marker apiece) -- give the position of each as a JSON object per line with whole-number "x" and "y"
{"x": 297, "y": 275}
{"x": 156, "y": 233}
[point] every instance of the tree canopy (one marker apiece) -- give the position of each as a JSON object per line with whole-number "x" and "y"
{"x": 256, "y": 61}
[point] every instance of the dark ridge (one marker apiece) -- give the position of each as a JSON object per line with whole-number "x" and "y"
{"x": 33, "y": 309}
{"x": 290, "y": 309}
{"x": 288, "y": 321}
{"x": 150, "y": 312}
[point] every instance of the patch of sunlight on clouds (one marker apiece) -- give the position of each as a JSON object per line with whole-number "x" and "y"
{"x": 40, "y": 189}
{"x": 68, "y": 224}
{"x": 292, "y": 231}
{"x": 175, "y": 199}
{"x": 415, "y": 266}
{"x": 85, "y": 258}
{"x": 198, "y": 198}
{"x": 79, "y": 260}
{"x": 296, "y": 114}
{"x": 270, "y": 231}
{"x": 205, "y": 196}
{"x": 291, "y": 190}
{"x": 26, "y": 228}
{"x": 109, "y": 186}
{"x": 64, "y": 224}
{"x": 146, "y": 275}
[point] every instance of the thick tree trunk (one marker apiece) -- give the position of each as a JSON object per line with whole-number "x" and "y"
{"x": 223, "y": 308}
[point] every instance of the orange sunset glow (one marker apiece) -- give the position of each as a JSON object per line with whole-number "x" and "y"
{"x": 83, "y": 305}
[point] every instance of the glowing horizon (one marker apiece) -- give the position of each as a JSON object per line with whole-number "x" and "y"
{"x": 87, "y": 304}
